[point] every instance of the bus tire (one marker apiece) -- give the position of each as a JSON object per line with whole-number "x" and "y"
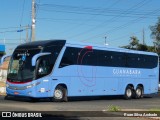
{"x": 128, "y": 93}
{"x": 139, "y": 92}
{"x": 60, "y": 94}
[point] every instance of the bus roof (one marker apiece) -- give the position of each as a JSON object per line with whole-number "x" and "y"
{"x": 107, "y": 47}
{"x": 46, "y": 43}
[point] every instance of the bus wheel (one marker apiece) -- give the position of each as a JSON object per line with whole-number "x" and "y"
{"x": 139, "y": 92}
{"x": 60, "y": 94}
{"x": 128, "y": 93}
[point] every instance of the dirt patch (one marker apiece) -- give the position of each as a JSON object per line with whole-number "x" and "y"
{"x": 2, "y": 84}
{"x": 2, "y": 88}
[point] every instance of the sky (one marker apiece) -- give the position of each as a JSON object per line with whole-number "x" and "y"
{"x": 90, "y": 21}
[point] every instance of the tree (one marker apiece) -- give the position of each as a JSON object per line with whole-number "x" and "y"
{"x": 151, "y": 49}
{"x": 135, "y": 45}
{"x": 134, "y": 42}
{"x": 155, "y": 35}
{"x": 142, "y": 47}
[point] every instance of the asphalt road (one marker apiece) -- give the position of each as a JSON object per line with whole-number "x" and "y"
{"x": 82, "y": 104}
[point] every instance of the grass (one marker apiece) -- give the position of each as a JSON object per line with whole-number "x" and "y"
{"x": 155, "y": 110}
{"x": 113, "y": 108}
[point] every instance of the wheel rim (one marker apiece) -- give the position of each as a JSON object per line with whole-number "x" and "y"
{"x": 129, "y": 93}
{"x": 58, "y": 94}
{"x": 138, "y": 92}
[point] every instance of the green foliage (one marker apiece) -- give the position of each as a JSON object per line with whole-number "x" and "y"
{"x": 135, "y": 45}
{"x": 151, "y": 49}
{"x": 134, "y": 42}
{"x": 155, "y": 110}
{"x": 142, "y": 47}
{"x": 113, "y": 108}
{"x": 155, "y": 35}
{"x": 156, "y": 31}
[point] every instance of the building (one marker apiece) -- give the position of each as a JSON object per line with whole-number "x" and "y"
{"x": 2, "y": 50}
{"x": 3, "y": 70}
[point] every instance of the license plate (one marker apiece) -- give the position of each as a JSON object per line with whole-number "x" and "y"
{"x": 16, "y": 93}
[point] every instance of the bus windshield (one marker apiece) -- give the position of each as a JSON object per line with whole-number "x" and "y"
{"x": 20, "y": 68}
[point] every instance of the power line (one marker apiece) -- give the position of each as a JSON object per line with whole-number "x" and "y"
{"x": 76, "y": 8}
{"x": 93, "y": 11}
{"x": 136, "y": 6}
{"x": 12, "y": 27}
{"x": 104, "y": 14}
{"x": 13, "y": 39}
{"x": 13, "y": 30}
{"x": 122, "y": 26}
{"x": 37, "y": 8}
{"x": 116, "y": 13}
{"x": 124, "y": 36}
{"x": 111, "y": 14}
{"x": 12, "y": 43}
{"x": 91, "y": 18}
{"x": 22, "y": 12}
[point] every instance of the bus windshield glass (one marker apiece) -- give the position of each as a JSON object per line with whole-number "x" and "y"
{"x": 20, "y": 68}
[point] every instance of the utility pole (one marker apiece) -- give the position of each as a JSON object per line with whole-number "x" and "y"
{"x": 20, "y": 34}
{"x": 143, "y": 36}
{"x": 105, "y": 40}
{"x": 33, "y": 21}
{"x": 4, "y": 40}
{"x": 27, "y": 27}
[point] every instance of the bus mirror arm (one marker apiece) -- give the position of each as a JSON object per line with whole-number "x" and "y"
{"x": 36, "y": 56}
{"x": 3, "y": 58}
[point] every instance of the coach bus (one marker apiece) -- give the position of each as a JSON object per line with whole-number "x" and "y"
{"x": 60, "y": 69}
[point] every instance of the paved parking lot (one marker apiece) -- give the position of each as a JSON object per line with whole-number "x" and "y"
{"x": 148, "y": 103}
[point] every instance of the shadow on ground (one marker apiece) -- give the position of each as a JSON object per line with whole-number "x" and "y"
{"x": 74, "y": 99}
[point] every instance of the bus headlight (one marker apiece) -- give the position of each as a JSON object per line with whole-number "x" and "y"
{"x": 32, "y": 85}
{"x": 28, "y": 86}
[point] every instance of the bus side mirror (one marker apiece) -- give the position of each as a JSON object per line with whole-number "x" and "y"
{"x": 36, "y": 56}
{"x": 3, "y": 58}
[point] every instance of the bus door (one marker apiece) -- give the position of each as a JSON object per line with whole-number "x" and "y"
{"x": 43, "y": 69}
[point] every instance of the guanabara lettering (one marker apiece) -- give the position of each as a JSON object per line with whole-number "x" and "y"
{"x": 126, "y": 72}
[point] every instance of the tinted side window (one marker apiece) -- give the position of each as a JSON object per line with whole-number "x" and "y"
{"x": 78, "y": 56}
{"x": 141, "y": 61}
{"x": 134, "y": 60}
{"x": 151, "y": 61}
{"x": 54, "y": 50}
{"x": 119, "y": 59}
{"x": 89, "y": 58}
{"x": 110, "y": 58}
{"x": 44, "y": 66}
{"x": 82, "y": 56}
{"x": 70, "y": 57}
